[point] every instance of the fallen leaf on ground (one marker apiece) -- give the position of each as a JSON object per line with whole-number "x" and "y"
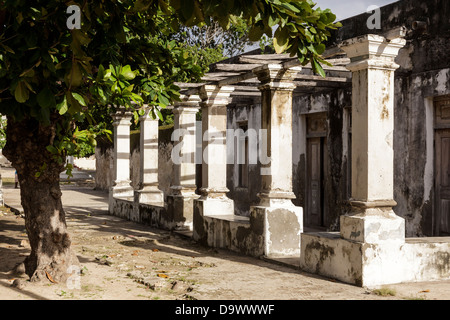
{"x": 50, "y": 277}
{"x": 425, "y": 291}
{"x": 135, "y": 253}
{"x": 155, "y": 250}
{"x": 162, "y": 275}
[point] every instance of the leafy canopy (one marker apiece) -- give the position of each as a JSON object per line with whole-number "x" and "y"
{"x": 124, "y": 54}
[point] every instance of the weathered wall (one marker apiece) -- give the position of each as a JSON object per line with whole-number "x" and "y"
{"x": 372, "y": 265}
{"x": 336, "y": 106}
{"x": 104, "y": 162}
{"x": 243, "y": 197}
{"x": 424, "y": 73}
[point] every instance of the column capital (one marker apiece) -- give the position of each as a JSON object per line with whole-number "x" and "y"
{"x": 122, "y": 116}
{"x": 189, "y": 103}
{"x": 212, "y": 95}
{"x": 372, "y": 52}
{"x": 274, "y": 76}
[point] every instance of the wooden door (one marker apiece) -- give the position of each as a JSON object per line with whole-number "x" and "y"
{"x": 314, "y": 183}
{"x": 316, "y": 209}
{"x": 442, "y": 183}
{"x": 441, "y": 214}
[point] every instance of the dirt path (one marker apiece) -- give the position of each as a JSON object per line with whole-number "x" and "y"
{"x": 123, "y": 260}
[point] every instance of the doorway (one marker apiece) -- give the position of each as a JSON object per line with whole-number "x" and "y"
{"x": 317, "y": 172}
{"x": 441, "y": 212}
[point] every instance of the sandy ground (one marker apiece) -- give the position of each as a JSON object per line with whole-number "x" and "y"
{"x": 122, "y": 260}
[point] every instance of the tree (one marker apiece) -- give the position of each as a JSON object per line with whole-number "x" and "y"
{"x": 227, "y": 42}
{"x": 52, "y": 78}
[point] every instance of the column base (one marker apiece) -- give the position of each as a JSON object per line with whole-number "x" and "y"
{"x": 215, "y": 206}
{"x": 149, "y": 196}
{"x": 209, "y": 207}
{"x": 180, "y": 210}
{"x": 281, "y": 230}
{"x": 371, "y": 224}
{"x": 354, "y": 262}
{"x": 122, "y": 189}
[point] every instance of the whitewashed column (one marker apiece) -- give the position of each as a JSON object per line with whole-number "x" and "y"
{"x": 183, "y": 152}
{"x": 283, "y": 221}
{"x": 276, "y": 123}
{"x": 372, "y": 219}
{"x": 214, "y": 165}
{"x": 180, "y": 200}
{"x": 121, "y": 185}
{"x": 148, "y": 175}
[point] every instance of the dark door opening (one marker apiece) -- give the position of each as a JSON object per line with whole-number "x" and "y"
{"x": 316, "y": 209}
{"x": 441, "y": 212}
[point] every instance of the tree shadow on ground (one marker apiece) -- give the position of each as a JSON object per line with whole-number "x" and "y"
{"x": 24, "y": 292}
{"x": 132, "y": 234}
{"x": 94, "y": 218}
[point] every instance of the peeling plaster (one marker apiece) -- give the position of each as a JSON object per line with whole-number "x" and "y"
{"x": 442, "y": 79}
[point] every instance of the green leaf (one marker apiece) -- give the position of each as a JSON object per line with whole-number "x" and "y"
{"x": 281, "y": 40}
{"x": 62, "y": 107}
{"x": 158, "y": 114}
{"x": 317, "y": 68}
{"x": 74, "y": 78}
{"x": 27, "y": 73}
{"x": 256, "y": 33}
{"x": 52, "y": 149}
{"x": 46, "y": 98}
{"x": 21, "y": 93}
{"x": 187, "y": 9}
{"x": 79, "y": 98}
{"x": 102, "y": 96}
{"x": 127, "y": 73}
{"x": 6, "y": 48}
{"x": 74, "y": 105}
{"x": 163, "y": 100}
{"x": 273, "y": 20}
{"x": 320, "y": 48}
{"x": 100, "y": 73}
{"x": 290, "y": 7}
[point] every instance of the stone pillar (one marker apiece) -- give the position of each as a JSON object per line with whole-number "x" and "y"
{"x": 181, "y": 200}
{"x": 121, "y": 185}
{"x": 214, "y": 161}
{"x": 372, "y": 219}
{"x": 149, "y": 192}
{"x": 283, "y": 222}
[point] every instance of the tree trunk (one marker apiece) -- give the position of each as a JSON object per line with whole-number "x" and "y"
{"x": 38, "y": 173}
